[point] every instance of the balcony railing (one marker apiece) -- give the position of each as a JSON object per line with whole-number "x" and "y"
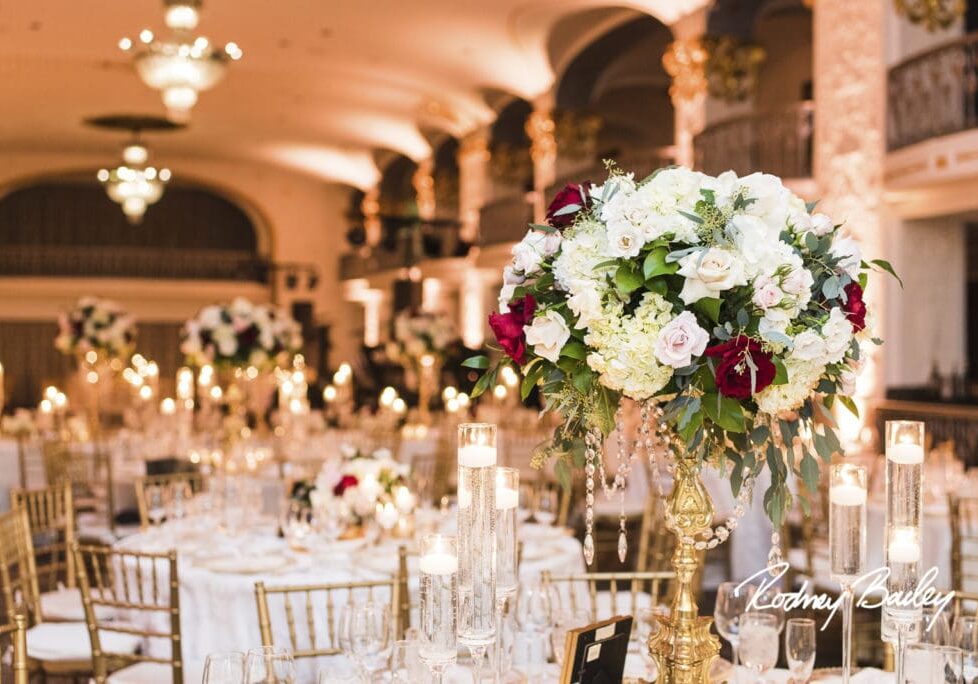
{"x": 131, "y": 262}
{"x": 933, "y": 93}
{"x": 405, "y": 241}
{"x": 778, "y": 142}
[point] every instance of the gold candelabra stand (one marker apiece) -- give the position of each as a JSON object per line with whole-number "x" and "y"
{"x": 683, "y": 647}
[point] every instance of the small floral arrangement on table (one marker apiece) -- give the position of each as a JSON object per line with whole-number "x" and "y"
{"x": 356, "y": 484}
{"x": 241, "y": 334}
{"x": 97, "y": 325}
{"x": 727, "y": 301}
{"x": 420, "y": 333}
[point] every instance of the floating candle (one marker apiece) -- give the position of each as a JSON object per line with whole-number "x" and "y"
{"x": 476, "y": 456}
{"x": 903, "y": 546}
{"x": 506, "y": 498}
{"x": 905, "y": 453}
{"x": 847, "y": 495}
{"x": 438, "y": 563}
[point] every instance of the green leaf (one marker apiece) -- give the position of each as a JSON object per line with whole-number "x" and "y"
{"x": 692, "y": 427}
{"x": 582, "y": 378}
{"x": 809, "y": 472}
{"x": 626, "y": 279}
{"x": 810, "y": 206}
{"x": 477, "y": 362}
{"x": 574, "y": 350}
{"x": 658, "y": 286}
{"x": 606, "y": 405}
{"x": 567, "y": 209}
{"x": 886, "y": 266}
{"x": 655, "y": 264}
{"x": 530, "y": 379}
{"x": 780, "y": 372}
{"x": 692, "y": 217}
{"x": 849, "y": 404}
{"x": 543, "y": 227}
{"x": 724, "y": 411}
{"x": 563, "y": 473}
{"x": 487, "y": 380}
{"x": 704, "y": 378}
{"x": 709, "y": 307}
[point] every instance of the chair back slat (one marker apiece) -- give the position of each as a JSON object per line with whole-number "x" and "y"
{"x": 17, "y": 632}
{"x": 964, "y": 541}
{"x": 18, "y": 574}
{"x": 571, "y": 587}
{"x": 136, "y": 609}
{"x": 87, "y": 469}
{"x": 51, "y": 519}
{"x": 168, "y": 485}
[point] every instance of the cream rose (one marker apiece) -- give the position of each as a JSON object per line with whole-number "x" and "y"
{"x": 548, "y": 334}
{"x": 625, "y": 240}
{"x": 709, "y": 274}
{"x": 680, "y": 340}
{"x": 809, "y": 346}
{"x": 585, "y": 302}
{"x": 847, "y": 250}
{"x": 798, "y": 281}
{"x": 837, "y": 332}
{"x": 822, "y": 224}
{"x": 533, "y": 248}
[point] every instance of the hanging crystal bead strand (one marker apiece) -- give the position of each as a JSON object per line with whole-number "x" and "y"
{"x": 590, "y": 455}
{"x": 620, "y": 484}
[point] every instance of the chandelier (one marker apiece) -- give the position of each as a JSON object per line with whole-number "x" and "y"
{"x": 934, "y": 14}
{"x": 183, "y": 65}
{"x": 134, "y": 185}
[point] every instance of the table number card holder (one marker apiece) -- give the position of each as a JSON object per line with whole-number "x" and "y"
{"x": 596, "y": 654}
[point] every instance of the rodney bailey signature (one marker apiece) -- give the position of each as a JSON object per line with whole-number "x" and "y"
{"x": 869, "y": 588}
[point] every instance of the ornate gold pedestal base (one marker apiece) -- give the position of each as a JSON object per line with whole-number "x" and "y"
{"x": 683, "y": 647}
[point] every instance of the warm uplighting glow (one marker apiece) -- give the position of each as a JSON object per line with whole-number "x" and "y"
{"x": 427, "y": 360}
{"x": 399, "y": 406}
{"x": 499, "y": 391}
{"x": 329, "y": 393}
{"x": 216, "y": 393}
{"x": 251, "y": 372}
{"x": 182, "y": 17}
{"x": 463, "y": 400}
{"x": 449, "y": 393}
{"x": 168, "y": 407}
{"x": 45, "y": 406}
{"x": 91, "y": 356}
{"x": 60, "y": 400}
{"x": 50, "y": 392}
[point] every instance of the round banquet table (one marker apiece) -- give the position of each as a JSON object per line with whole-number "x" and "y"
{"x": 218, "y": 575}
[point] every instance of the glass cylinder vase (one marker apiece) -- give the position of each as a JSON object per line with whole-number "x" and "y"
{"x": 847, "y": 543}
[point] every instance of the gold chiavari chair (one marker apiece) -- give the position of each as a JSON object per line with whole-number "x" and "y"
{"x": 143, "y": 587}
{"x": 17, "y": 630}
{"x": 89, "y": 471}
{"x": 51, "y": 519}
{"x": 964, "y": 541}
{"x": 168, "y": 485}
{"x": 307, "y": 606}
{"x": 964, "y": 603}
{"x": 586, "y": 591}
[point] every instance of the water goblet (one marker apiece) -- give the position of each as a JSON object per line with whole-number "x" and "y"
{"x": 934, "y": 627}
{"x": 547, "y": 504}
{"x": 932, "y": 664}
{"x": 799, "y": 648}
{"x": 759, "y": 642}
{"x": 965, "y": 636}
{"x": 732, "y": 600}
{"x": 156, "y": 505}
{"x": 224, "y": 668}
{"x": 534, "y": 606}
{"x": 269, "y": 665}
{"x": 371, "y": 629}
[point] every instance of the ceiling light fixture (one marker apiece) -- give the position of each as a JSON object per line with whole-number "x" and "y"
{"x": 133, "y": 185}
{"x": 183, "y": 65}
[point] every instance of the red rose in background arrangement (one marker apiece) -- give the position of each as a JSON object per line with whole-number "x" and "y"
{"x": 733, "y": 375}
{"x": 345, "y": 483}
{"x": 570, "y": 194}
{"x": 855, "y": 307}
{"x": 508, "y": 327}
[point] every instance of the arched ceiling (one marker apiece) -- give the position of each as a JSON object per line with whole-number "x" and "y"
{"x": 321, "y": 88}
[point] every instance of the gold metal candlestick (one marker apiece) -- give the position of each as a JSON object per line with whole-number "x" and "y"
{"x": 683, "y": 647}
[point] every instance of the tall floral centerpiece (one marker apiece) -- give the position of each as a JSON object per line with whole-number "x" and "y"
{"x": 101, "y": 335}
{"x": 729, "y": 310}
{"x": 420, "y": 342}
{"x": 237, "y": 337}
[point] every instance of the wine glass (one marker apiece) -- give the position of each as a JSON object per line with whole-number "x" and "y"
{"x": 767, "y": 599}
{"x": 732, "y": 600}
{"x": 269, "y": 665}
{"x": 799, "y": 648}
{"x": 965, "y": 636}
{"x": 939, "y": 632}
{"x": 759, "y": 642}
{"x": 534, "y": 606}
{"x": 224, "y": 668}
{"x": 405, "y": 663}
{"x": 371, "y": 629}
{"x": 932, "y": 664}
{"x": 547, "y": 503}
{"x": 156, "y": 505}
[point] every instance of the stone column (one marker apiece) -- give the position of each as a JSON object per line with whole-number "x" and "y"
{"x": 370, "y": 207}
{"x": 685, "y": 61}
{"x": 473, "y": 181}
{"x": 543, "y": 151}
{"x": 424, "y": 189}
{"x": 472, "y": 307}
{"x": 849, "y": 152}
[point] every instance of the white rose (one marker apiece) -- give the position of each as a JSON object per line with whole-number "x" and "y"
{"x": 809, "y": 346}
{"x": 585, "y": 302}
{"x": 506, "y": 296}
{"x": 837, "y": 332}
{"x": 766, "y": 293}
{"x": 210, "y": 317}
{"x": 846, "y": 249}
{"x": 709, "y": 274}
{"x": 226, "y": 340}
{"x": 548, "y": 334}
{"x": 511, "y": 277}
{"x": 680, "y": 340}
{"x": 800, "y": 222}
{"x": 625, "y": 239}
{"x": 241, "y": 307}
{"x": 775, "y": 320}
{"x": 798, "y": 281}
{"x": 822, "y": 224}
{"x": 847, "y": 383}
{"x": 535, "y": 246}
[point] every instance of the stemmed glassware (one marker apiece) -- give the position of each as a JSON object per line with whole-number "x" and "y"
{"x": 932, "y": 664}
{"x": 224, "y": 668}
{"x": 934, "y": 627}
{"x": 156, "y": 505}
{"x": 535, "y": 606}
{"x": 546, "y": 505}
{"x": 759, "y": 642}
{"x": 438, "y": 567}
{"x": 340, "y": 671}
{"x": 732, "y": 600}
{"x": 507, "y": 555}
{"x": 965, "y": 636}
{"x": 269, "y": 665}
{"x": 847, "y": 543}
{"x": 799, "y": 649}
{"x": 370, "y": 634}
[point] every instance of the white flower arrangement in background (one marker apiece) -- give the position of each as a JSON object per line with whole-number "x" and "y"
{"x": 96, "y": 325}
{"x": 360, "y": 481}
{"x": 417, "y": 334}
{"x": 241, "y": 334}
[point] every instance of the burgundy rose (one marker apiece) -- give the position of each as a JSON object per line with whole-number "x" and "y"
{"x": 733, "y": 374}
{"x": 572, "y": 193}
{"x": 248, "y": 336}
{"x": 345, "y": 483}
{"x": 508, "y": 327}
{"x": 855, "y": 307}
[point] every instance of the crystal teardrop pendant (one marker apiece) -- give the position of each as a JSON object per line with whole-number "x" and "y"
{"x": 622, "y": 546}
{"x": 588, "y": 549}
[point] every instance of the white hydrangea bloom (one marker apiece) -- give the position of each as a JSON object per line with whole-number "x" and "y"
{"x": 803, "y": 378}
{"x": 583, "y": 248}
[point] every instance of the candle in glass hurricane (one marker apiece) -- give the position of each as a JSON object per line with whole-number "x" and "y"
{"x": 901, "y": 547}
{"x": 477, "y": 538}
{"x": 847, "y": 543}
{"x": 438, "y": 567}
